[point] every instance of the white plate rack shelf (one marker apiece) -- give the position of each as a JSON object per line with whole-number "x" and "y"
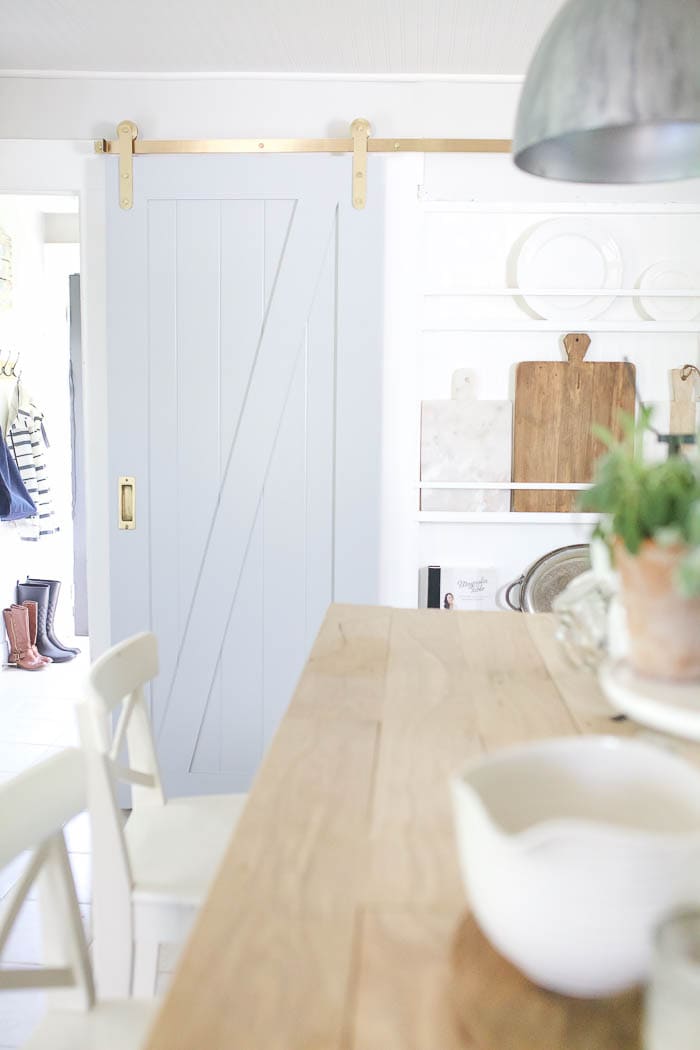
{"x": 458, "y": 313}
{"x": 446, "y": 517}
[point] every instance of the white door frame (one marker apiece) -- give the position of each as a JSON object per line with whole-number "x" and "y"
{"x": 53, "y": 167}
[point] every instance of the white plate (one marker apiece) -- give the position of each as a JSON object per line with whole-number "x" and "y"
{"x": 667, "y": 706}
{"x": 562, "y": 254}
{"x": 669, "y": 275}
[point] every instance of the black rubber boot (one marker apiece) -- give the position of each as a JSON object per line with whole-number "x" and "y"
{"x": 39, "y": 593}
{"x": 54, "y": 591}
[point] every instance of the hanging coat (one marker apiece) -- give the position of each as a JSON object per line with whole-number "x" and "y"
{"x": 27, "y": 442}
{"x": 15, "y": 501}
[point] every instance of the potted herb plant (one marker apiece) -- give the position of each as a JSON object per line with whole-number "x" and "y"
{"x": 652, "y": 525}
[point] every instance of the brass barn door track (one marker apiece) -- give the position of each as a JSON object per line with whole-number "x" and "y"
{"x": 127, "y": 145}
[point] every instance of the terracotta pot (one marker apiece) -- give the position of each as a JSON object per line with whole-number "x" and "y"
{"x": 663, "y": 626}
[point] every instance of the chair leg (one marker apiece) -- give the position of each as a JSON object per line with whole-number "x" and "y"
{"x": 145, "y": 969}
{"x": 111, "y": 964}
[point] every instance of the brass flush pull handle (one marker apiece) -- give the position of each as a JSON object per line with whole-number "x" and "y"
{"x": 127, "y": 503}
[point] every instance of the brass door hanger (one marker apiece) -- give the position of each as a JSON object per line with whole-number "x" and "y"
{"x": 128, "y": 145}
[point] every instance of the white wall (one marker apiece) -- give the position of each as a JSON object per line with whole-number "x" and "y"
{"x": 83, "y": 108}
{"x": 459, "y": 229}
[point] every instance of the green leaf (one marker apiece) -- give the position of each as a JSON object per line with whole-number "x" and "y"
{"x": 693, "y": 527}
{"x": 688, "y": 575}
{"x": 647, "y": 500}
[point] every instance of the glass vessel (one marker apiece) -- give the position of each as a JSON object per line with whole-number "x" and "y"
{"x": 672, "y": 1006}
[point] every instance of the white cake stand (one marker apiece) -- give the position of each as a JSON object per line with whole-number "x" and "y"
{"x": 670, "y": 707}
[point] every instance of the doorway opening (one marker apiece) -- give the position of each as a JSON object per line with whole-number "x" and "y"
{"x": 41, "y": 417}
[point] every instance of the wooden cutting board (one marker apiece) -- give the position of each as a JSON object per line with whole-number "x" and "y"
{"x": 556, "y": 404}
{"x": 498, "y": 1008}
{"x": 464, "y": 439}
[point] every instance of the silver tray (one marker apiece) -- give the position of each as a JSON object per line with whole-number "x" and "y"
{"x": 547, "y": 577}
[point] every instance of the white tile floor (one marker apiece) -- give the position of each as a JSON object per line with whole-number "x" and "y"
{"x": 36, "y": 720}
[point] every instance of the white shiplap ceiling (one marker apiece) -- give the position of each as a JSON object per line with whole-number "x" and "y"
{"x": 378, "y": 37}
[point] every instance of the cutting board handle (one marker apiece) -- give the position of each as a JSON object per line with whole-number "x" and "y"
{"x": 463, "y": 384}
{"x": 684, "y": 382}
{"x": 576, "y": 344}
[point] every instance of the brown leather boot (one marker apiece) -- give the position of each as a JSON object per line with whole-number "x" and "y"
{"x": 33, "y": 610}
{"x": 17, "y": 627}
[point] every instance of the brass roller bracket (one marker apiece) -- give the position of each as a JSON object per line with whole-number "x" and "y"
{"x": 360, "y": 129}
{"x": 126, "y": 136}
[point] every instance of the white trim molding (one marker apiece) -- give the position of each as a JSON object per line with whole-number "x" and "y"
{"x": 383, "y": 78}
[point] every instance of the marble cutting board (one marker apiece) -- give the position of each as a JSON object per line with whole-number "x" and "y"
{"x": 464, "y": 439}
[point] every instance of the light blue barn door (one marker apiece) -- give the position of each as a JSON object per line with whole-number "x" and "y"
{"x": 245, "y": 340}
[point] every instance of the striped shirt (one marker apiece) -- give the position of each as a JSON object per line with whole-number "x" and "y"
{"x": 27, "y": 442}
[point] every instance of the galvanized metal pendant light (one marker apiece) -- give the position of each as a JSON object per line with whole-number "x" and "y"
{"x": 613, "y": 94}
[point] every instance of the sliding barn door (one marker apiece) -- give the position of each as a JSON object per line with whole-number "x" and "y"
{"x": 245, "y": 340}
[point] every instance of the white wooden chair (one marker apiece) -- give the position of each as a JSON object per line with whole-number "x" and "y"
{"x": 34, "y": 807}
{"x": 151, "y": 874}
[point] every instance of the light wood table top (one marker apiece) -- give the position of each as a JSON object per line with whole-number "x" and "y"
{"x": 328, "y": 926}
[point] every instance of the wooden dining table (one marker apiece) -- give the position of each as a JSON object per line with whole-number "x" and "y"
{"x": 328, "y": 926}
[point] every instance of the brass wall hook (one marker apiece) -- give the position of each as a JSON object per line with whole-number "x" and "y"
{"x": 8, "y": 366}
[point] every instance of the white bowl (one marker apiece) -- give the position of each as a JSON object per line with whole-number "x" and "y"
{"x": 573, "y": 849}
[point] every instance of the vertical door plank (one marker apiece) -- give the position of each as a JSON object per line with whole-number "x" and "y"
{"x": 242, "y": 312}
{"x": 198, "y": 413}
{"x": 163, "y": 582}
{"x": 127, "y": 301}
{"x": 283, "y": 502}
{"x": 320, "y": 444}
{"x": 242, "y": 305}
{"x": 240, "y": 320}
{"x": 359, "y": 384}
{"x": 242, "y": 664}
{"x": 284, "y": 572}
{"x": 277, "y": 221}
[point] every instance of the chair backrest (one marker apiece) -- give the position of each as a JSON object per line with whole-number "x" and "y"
{"x": 34, "y": 806}
{"x": 115, "y": 732}
{"x": 115, "y": 697}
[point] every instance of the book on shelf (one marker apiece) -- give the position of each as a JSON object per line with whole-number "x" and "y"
{"x": 456, "y": 587}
